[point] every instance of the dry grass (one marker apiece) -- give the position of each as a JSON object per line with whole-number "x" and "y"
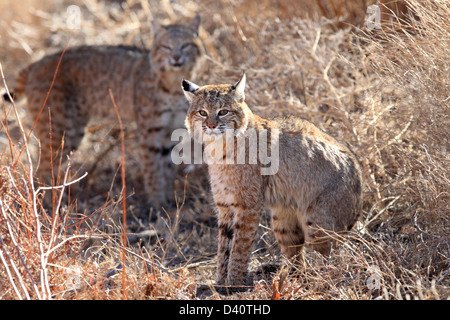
{"x": 385, "y": 92}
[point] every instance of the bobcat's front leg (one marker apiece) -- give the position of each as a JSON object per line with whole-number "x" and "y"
{"x": 154, "y": 154}
{"x": 224, "y": 241}
{"x": 239, "y": 214}
{"x": 244, "y": 230}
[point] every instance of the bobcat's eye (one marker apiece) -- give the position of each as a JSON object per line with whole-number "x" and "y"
{"x": 223, "y": 112}
{"x": 166, "y": 47}
{"x": 203, "y": 113}
{"x": 186, "y": 46}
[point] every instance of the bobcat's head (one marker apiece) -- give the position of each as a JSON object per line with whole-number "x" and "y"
{"x": 176, "y": 51}
{"x": 216, "y": 108}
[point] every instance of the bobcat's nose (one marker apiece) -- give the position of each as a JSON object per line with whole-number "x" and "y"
{"x": 176, "y": 61}
{"x": 212, "y": 126}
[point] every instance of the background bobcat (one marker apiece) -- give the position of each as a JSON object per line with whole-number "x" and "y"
{"x": 317, "y": 186}
{"x": 143, "y": 85}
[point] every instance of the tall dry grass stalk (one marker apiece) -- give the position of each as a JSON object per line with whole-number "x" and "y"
{"x": 411, "y": 56}
{"x": 32, "y": 199}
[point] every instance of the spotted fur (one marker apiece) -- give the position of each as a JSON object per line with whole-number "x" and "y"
{"x": 317, "y": 187}
{"x": 143, "y": 83}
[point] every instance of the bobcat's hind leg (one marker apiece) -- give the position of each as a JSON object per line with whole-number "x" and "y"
{"x": 288, "y": 232}
{"x": 333, "y": 212}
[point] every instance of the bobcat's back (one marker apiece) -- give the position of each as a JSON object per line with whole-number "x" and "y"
{"x": 85, "y": 73}
{"x": 313, "y": 162}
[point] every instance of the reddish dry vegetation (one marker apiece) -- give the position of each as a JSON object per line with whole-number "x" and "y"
{"x": 383, "y": 91}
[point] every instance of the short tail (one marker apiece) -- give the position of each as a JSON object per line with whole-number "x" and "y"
{"x": 7, "y": 97}
{"x": 20, "y": 86}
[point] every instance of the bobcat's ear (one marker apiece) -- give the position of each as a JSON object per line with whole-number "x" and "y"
{"x": 194, "y": 24}
{"x": 239, "y": 88}
{"x": 189, "y": 89}
{"x": 156, "y": 26}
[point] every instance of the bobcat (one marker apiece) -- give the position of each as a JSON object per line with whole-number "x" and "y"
{"x": 316, "y": 187}
{"x": 142, "y": 83}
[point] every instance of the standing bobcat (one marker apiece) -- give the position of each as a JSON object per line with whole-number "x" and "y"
{"x": 143, "y": 84}
{"x": 315, "y": 188}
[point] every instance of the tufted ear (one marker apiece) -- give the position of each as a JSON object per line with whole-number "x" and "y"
{"x": 156, "y": 26}
{"x": 239, "y": 88}
{"x": 194, "y": 24}
{"x": 189, "y": 89}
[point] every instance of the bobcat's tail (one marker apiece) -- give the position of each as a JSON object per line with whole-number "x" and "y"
{"x": 6, "y": 96}
{"x": 20, "y": 86}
